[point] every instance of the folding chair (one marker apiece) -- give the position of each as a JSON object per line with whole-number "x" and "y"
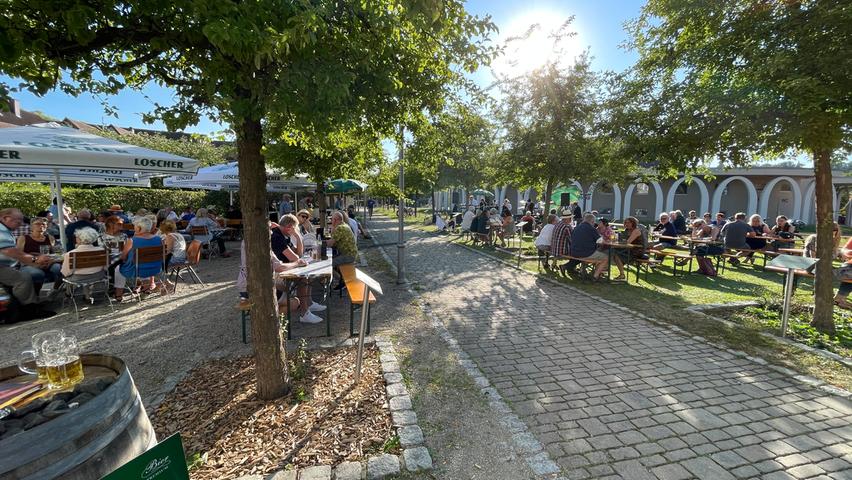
{"x": 206, "y": 239}
{"x": 193, "y": 257}
{"x": 81, "y": 260}
{"x": 143, "y": 255}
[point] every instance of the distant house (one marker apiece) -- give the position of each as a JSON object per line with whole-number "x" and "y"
{"x": 18, "y": 117}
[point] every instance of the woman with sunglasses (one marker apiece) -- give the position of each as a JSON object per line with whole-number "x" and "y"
{"x": 306, "y": 228}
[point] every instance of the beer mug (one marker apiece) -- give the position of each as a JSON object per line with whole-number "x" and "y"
{"x": 36, "y": 354}
{"x": 64, "y": 367}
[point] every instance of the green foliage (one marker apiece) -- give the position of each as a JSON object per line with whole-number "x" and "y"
{"x": 300, "y": 361}
{"x": 392, "y": 445}
{"x": 196, "y": 460}
{"x": 768, "y": 317}
{"x": 32, "y": 198}
{"x": 551, "y": 122}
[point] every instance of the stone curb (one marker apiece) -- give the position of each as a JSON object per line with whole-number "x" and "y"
{"x": 806, "y": 379}
{"x": 701, "y": 309}
{"x": 524, "y": 441}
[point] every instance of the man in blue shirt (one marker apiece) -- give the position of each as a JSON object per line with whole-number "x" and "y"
{"x": 584, "y": 245}
{"x": 84, "y": 219}
{"x": 370, "y": 205}
{"x": 285, "y": 207}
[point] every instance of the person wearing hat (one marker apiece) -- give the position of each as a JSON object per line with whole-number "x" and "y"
{"x": 116, "y": 211}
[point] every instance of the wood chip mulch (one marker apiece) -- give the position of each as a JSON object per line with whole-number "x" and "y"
{"x": 217, "y": 412}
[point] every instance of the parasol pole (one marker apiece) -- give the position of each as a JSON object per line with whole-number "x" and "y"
{"x": 60, "y": 208}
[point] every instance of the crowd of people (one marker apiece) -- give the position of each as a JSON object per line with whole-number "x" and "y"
{"x": 31, "y": 254}
{"x": 586, "y": 237}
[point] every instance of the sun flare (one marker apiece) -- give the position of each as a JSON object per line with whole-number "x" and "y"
{"x": 531, "y": 41}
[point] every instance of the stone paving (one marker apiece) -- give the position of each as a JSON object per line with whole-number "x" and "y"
{"x": 609, "y": 395}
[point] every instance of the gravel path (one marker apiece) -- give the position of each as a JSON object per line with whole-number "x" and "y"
{"x": 160, "y": 338}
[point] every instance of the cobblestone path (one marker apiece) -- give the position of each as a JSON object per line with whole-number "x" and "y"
{"x": 611, "y": 396}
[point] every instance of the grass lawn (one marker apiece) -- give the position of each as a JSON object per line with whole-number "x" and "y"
{"x": 666, "y": 298}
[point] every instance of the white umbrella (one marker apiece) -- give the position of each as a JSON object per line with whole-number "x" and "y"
{"x": 227, "y": 175}
{"x": 78, "y": 176}
{"x": 58, "y": 148}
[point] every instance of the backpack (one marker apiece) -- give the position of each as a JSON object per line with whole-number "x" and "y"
{"x": 705, "y": 266}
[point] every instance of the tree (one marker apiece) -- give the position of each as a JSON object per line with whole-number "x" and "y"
{"x": 322, "y": 64}
{"x": 196, "y": 146}
{"x": 739, "y": 80}
{"x": 551, "y": 122}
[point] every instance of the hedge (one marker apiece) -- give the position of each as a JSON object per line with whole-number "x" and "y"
{"x": 33, "y": 198}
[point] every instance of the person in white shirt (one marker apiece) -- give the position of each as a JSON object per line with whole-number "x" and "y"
{"x": 353, "y": 224}
{"x": 467, "y": 219}
{"x": 171, "y": 215}
{"x": 542, "y": 241}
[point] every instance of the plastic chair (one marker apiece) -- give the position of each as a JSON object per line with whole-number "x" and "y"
{"x": 81, "y": 260}
{"x": 193, "y": 257}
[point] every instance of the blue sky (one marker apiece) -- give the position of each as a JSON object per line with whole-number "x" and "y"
{"x": 598, "y": 25}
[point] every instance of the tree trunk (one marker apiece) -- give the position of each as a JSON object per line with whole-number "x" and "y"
{"x": 824, "y": 282}
{"x": 434, "y": 207}
{"x": 321, "y": 205}
{"x": 269, "y": 354}
{"x": 548, "y": 191}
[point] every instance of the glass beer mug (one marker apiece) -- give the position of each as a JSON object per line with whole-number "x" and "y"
{"x": 36, "y": 355}
{"x": 64, "y": 367}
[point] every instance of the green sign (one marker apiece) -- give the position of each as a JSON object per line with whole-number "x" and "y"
{"x": 164, "y": 462}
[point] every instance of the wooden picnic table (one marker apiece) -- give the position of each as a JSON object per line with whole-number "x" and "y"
{"x": 318, "y": 269}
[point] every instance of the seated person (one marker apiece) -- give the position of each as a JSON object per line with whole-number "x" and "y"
{"x": 38, "y": 242}
{"x": 720, "y": 221}
{"x": 634, "y": 234}
{"x": 604, "y": 229}
{"x": 507, "y": 228}
{"x": 665, "y": 229}
{"x": 560, "y": 242}
{"x": 542, "y": 241}
{"x": 759, "y": 229}
{"x": 20, "y": 282}
{"x": 142, "y": 237}
{"x": 735, "y": 234}
{"x": 84, "y": 219}
{"x": 676, "y": 218}
{"x": 783, "y": 232}
{"x": 467, "y": 220}
{"x": 483, "y": 226}
{"x": 203, "y": 218}
{"x": 277, "y": 266}
{"x": 174, "y": 242}
{"x": 86, "y": 238}
{"x": 844, "y": 273}
{"x": 584, "y": 245}
{"x": 528, "y": 217}
{"x": 608, "y": 236}
{"x": 811, "y": 243}
{"x": 702, "y": 231}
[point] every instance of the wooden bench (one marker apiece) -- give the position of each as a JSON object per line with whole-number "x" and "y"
{"x": 730, "y": 253}
{"x": 244, "y": 308}
{"x": 643, "y": 263}
{"x": 679, "y": 259}
{"x": 355, "y": 291}
{"x": 587, "y": 268}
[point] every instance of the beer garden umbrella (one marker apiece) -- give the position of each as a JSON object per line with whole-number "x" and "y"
{"x": 480, "y": 191}
{"x": 60, "y": 149}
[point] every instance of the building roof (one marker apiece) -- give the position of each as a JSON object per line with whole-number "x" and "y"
{"x": 18, "y": 117}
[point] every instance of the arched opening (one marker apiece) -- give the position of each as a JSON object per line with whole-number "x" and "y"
{"x": 643, "y": 201}
{"x": 809, "y": 204}
{"x": 606, "y": 199}
{"x": 781, "y": 196}
{"x": 735, "y": 194}
{"x": 688, "y": 196}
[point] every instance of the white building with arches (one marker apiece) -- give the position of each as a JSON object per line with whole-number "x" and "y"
{"x": 767, "y": 191}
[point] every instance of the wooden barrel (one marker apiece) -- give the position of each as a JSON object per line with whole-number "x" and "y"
{"x": 88, "y": 442}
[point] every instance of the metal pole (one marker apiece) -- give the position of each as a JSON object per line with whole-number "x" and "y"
{"x": 60, "y": 207}
{"x": 365, "y": 312}
{"x": 788, "y": 297}
{"x": 400, "y": 246}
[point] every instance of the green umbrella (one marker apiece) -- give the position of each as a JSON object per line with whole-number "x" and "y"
{"x": 572, "y": 191}
{"x": 345, "y": 186}
{"x": 480, "y": 191}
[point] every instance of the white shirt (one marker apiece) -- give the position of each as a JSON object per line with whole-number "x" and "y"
{"x": 544, "y": 237}
{"x": 467, "y": 219}
{"x": 172, "y": 216}
{"x": 353, "y": 224}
